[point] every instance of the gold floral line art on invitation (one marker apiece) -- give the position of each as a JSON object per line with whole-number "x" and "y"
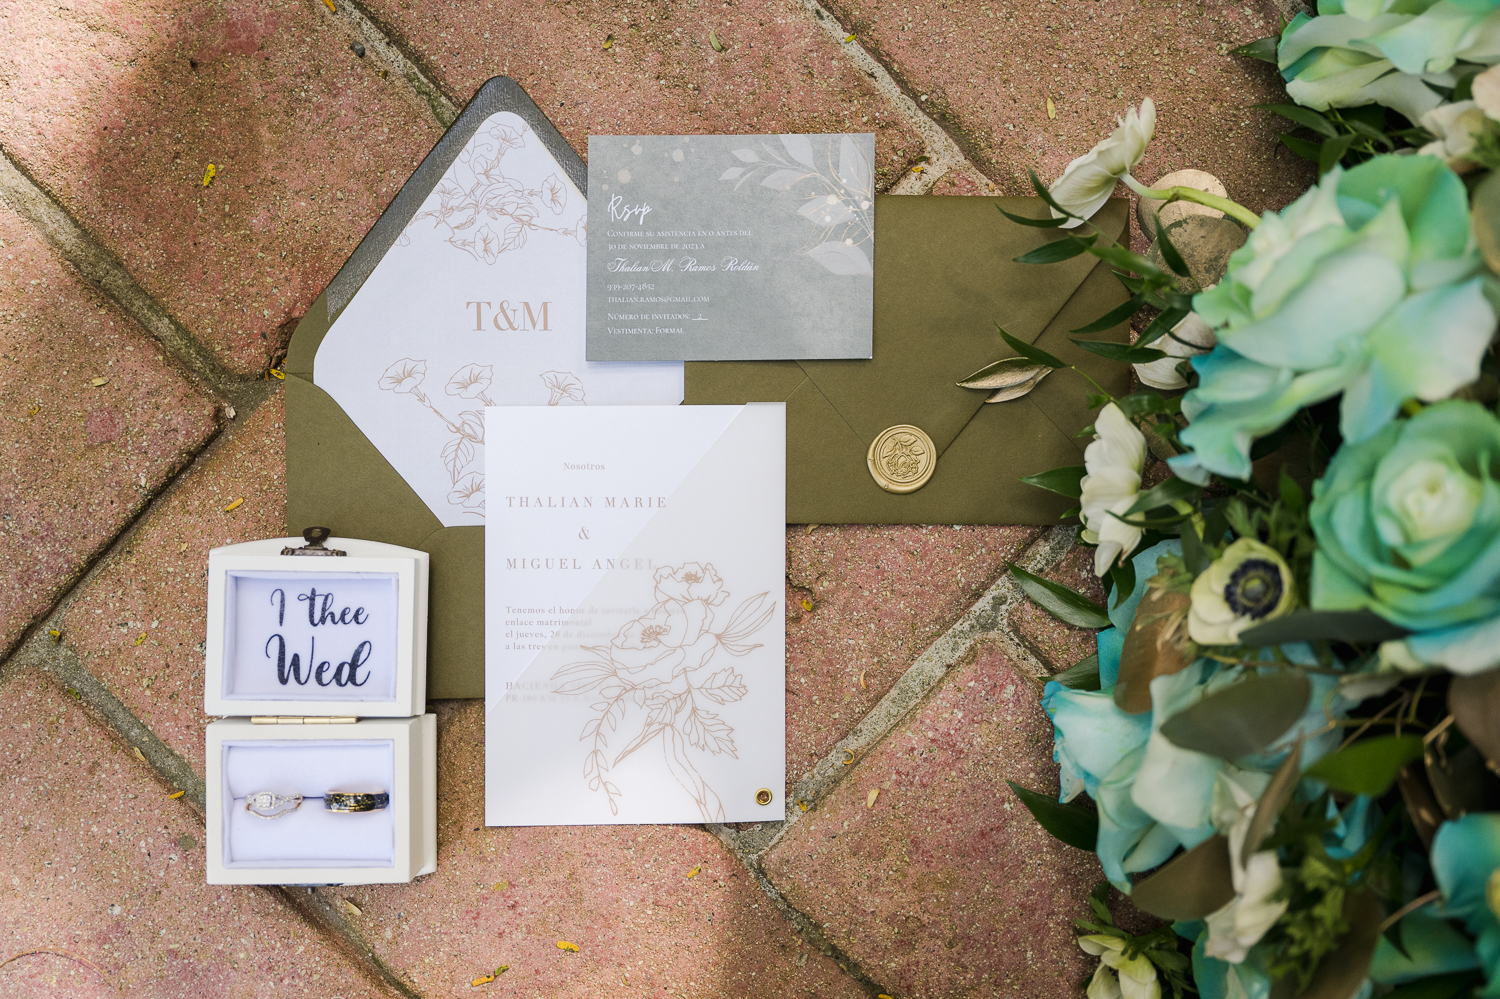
{"x": 656, "y": 685}
{"x": 839, "y": 202}
{"x": 488, "y": 213}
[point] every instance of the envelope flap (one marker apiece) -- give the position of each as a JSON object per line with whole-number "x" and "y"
{"x": 944, "y": 277}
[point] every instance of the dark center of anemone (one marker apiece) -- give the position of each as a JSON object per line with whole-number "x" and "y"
{"x": 1255, "y": 588}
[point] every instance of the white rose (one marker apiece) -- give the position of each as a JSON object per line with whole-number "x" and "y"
{"x": 1189, "y": 338}
{"x": 1248, "y": 584}
{"x": 1089, "y": 180}
{"x": 1430, "y": 501}
{"x": 1454, "y": 125}
{"x": 1114, "y": 462}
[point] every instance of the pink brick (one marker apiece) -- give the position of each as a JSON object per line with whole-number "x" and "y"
{"x": 626, "y": 896}
{"x": 945, "y": 886}
{"x": 780, "y": 71}
{"x": 986, "y": 72}
{"x": 118, "y": 110}
{"x": 79, "y": 460}
{"x": 97, "y": 862}
{"x": 880, "y": 595}
{"x": 140, "y": 624}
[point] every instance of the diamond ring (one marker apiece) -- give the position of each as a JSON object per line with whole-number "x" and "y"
{"x": 270, "y": 805}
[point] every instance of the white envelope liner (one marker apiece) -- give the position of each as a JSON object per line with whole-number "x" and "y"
{"x": 311, "y": 836}
{"x": 253, "y": 620}
{"x": 727, "y": 512}
{"x": 423, "y": 347}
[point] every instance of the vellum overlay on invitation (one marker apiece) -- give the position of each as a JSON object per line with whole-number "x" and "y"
{"x": 731, "y": 247}
{"x": 635, "y": 634}
{"x": 480, "y": 303}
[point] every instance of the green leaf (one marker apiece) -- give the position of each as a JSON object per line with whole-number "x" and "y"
{"x": 1263, "y": 49}
{"x": 1029, "y": 352}
{"x": 1193, "y": 555}
{"x": 1368, "y": 766}
{"x": 1072, "y": 823}
{"x": 1292, "y": 496}
{"x": 1329, "y": 626}
{"x": 1370, "y": 132}
{"x": 1082, "y": 675}
{"x": 1189, "y": 886}
{"x": 1066, "y": 605}
{"x": 1148, "y": 403}
{"x": 1303, "y": 116}
{"x": 1164, "y": 494}
{"x": 1126, "y": 353}
{"x": 1162, "y": 325}
{"x": 1122, "y": 258}
{"x": 1046, "y": 195}
{"x": 1065, "y": 481}
{"x": 1048, "y": 223}
{"x": 1169, "y": 253}
{"x": 1242, "y": 718}
{"x": 1303, "y": 148}
{"x": 1113, "y": 317}
{"x": 1333, "y": 150}
{"x": 1463, "y": 90}
{"x": 1057, "y": 250}
{"x": 1122, "y": 575}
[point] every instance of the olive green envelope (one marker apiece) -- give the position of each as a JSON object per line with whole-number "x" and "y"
{"x": 943, "y": 279}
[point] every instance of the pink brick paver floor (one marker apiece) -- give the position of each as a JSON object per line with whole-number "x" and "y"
{"x": 907, "y": 643}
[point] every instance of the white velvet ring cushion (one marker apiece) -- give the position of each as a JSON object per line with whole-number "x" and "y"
{"x": 311, "y": 836}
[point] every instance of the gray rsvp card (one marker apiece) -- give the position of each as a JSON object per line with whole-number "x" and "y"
{"x": 730, "y": 247}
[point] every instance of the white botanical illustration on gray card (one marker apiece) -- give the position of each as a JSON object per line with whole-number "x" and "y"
{"x": 472, "y": 383}
{"x": 488, "y": 212}
{"x": 838, "y": 200}
{"x": 656, "y": 687}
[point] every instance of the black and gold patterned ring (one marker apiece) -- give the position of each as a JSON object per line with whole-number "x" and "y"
{"x": 355, "y": 801}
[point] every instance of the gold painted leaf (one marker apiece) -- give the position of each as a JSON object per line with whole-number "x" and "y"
{"x": 1003, "y": 374}
{"x": 1016, "y": 392}
{"x": 1152, "y": 648}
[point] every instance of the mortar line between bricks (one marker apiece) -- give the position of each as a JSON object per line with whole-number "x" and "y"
{"x": 359, "y": 25}
{"x": 945, "y": 152}
{"x": 36, "y": 204}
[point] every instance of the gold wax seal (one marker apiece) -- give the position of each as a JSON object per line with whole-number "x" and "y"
{"x": 902, "y": 459}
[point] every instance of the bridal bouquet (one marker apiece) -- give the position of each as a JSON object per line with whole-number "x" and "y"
{"x": 1286, "y": 746}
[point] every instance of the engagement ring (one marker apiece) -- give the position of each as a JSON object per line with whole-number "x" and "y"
{"x": 269, "y": 804}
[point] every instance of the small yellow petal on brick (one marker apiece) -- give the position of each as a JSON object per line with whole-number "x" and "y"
{"x": 138, "y": 754}
{"x": 1051, "y": 109}
{"x": 34, "y": 410}
{"x": 849, "y": 38}
{"x": 278, "y": 374}
{"x": 96, "y": 382}
{"x": 235, "y": 505}
{"x": 330, "y": 6}
{"x": 807, "y": 604}
{"x": 802, "y": 805}
{"x": 482, "y": 980}
{"x": 694, "y": 872}
{"x": 176, "y": 794}
{"x": 870, "y": 798}
{"x": 140, "y": 638}
{"x": 208, "y": 175}
{"x": 571, "y": 948}
{"x": 354, "y": 910}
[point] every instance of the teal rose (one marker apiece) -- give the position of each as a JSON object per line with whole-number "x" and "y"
{"x": 1368, "y": 285}
{"x": 1386, "y": 51}
{"x": 1408, "y": 526}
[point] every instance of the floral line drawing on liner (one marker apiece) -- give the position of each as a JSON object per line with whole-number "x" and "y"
{"x": 488, "y": 213}
{"x": 648, "y": 670}
{"x": 841, "y": 206}
{"x": 472, "y": 381}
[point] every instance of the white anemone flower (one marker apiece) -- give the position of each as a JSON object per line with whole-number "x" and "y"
{"x": 1240, "y": 924}
{"x": 1248, "y": 584}
{"x": 1454, "y": 125}
{"x": 1188, "y": 338}
{"x": 1089, "y": 180}
{"x": 1118, "y": 976}
{"x": 1114, "y": 462}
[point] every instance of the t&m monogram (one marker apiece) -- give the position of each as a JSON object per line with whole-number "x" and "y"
{"x": 519, "y": 318}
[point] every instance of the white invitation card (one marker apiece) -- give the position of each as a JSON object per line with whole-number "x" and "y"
{"x": 479, "y": 303}
{"x": 634, "y": 627}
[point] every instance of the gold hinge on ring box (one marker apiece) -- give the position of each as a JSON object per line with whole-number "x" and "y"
{"x": 301, "y": 720}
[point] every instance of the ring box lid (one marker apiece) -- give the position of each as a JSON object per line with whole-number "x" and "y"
{"x": 294, "y": 630}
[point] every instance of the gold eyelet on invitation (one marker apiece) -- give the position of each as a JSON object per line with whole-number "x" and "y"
{"x": 901, "y": 459}
{"x": 763, "y": 796}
